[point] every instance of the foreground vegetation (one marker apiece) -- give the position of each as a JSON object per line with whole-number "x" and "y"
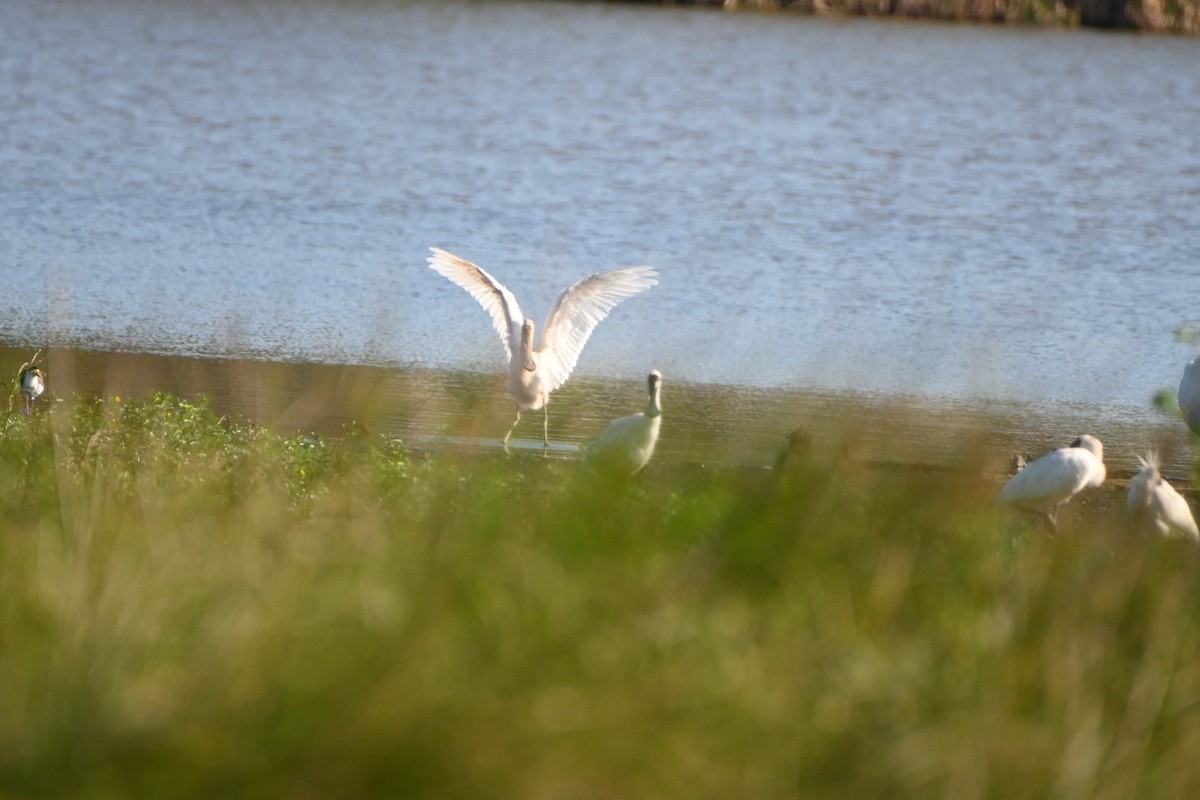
{"x": 195, "y": 607}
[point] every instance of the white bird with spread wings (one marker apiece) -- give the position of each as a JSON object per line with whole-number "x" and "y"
{"x": 535, "y": 372}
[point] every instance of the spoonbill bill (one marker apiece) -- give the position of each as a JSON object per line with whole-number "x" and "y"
{"x": 1189, "y": 394}
{"x": 628, "y": 442}
{"x": 1156, "y": 505}
{"x": 535, "y": 372}
{"x": 1046, "y": 484}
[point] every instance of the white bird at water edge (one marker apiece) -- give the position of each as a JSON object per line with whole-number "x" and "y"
{"x": 31, "y": 381}
{"x": 1189, "y": 394}
{"x": 628, "y": 442}
{"x": 1045, "y": 486}
{"x": 535, "y": 372}
{"x": 1156, "y": 505}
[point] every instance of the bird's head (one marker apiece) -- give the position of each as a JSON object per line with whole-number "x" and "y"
{"x": 1090, "y": 443}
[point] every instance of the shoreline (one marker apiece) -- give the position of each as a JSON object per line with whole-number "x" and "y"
{"x": 1141, "y": 16}
{"x": 704, "y": 423}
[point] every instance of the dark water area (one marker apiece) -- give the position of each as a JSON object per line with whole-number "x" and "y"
{"x": 720, "y": 425}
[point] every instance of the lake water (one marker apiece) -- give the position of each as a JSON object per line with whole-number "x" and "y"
{"x": 948, "y": 213}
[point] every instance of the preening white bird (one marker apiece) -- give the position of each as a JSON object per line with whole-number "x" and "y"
{"x": 1156, "y": 506}
{"x": 1045, "y": 485}
{"x": 535, "y": 372}
{"x": 1189, "y": 394}
{"x": 628, "y": 443}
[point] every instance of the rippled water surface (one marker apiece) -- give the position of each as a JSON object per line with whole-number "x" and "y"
{"x": 941, "y": 211}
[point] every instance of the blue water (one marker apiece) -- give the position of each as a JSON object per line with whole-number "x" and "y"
{"x": 935, "y": 210}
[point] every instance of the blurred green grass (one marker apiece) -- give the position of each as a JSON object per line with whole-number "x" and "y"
{"x": 195, "y": 606}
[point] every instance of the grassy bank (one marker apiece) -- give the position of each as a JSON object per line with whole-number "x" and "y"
{"x": 1174, "y": 16}
{"x": 194, "y": 606}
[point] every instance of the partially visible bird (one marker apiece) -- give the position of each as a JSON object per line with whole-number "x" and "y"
{"x": 535, "y": 372}
{"x": 1189, "y": 394}
{"x": 1046, "y": 484}
{"x": 628, "y": 443}
{"x": 33, "y": 383}
{"x": 1155, "y": 505}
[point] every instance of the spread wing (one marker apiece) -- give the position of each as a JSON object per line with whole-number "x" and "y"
{"x": 579, "y": 310}
{"x": 491, "y": 294}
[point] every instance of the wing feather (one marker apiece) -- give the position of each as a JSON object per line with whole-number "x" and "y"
{"x": 498, "y": 301}
{"x": 1177, "y": 512}
{"x": 577, "y": 312}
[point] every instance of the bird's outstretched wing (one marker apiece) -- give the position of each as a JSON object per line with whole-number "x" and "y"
{"x": 498, "y": 301}
{"x": 577, "y": 312}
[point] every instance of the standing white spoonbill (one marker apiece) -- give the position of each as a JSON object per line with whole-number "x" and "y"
{"x": 628, "y": 443}
{"x": 1045, "y": 485}
{"x": 1189, "y": 394}
{"x": 1155, "y": 504}
{"x": 535, "y": 372}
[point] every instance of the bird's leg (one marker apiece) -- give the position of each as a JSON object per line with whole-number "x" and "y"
{"x": 511, "y": 428}
{"x": 1044, "y": 516}
{"x": 545, "y": 429}
{"x": 1051, "y": 518}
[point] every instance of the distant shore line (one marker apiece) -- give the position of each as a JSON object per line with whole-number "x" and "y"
{"x": 707, "y": 423}
{"x": 1156, "y": 16}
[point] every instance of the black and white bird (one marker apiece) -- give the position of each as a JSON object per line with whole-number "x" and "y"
{"x": 536, "y": 371}
{"x": 627, "y": 443}
{"x": 1045, "y": 485}
{"x": 33, "y": 383}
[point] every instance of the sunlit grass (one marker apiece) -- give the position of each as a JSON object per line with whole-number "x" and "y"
{"x": 198, "y": 607}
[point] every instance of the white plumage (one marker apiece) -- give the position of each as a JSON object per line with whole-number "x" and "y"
{"x": 535, "y": 372}
{"x": 1155, "y": 504}
{"x": 628, "y": 443}
{"x": 1189, "y": 394}
{"x": 1048, "y": 483}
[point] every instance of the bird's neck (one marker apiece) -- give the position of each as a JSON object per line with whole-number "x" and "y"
{"x": 524, "y": 356}
{"x": 654, "y": 406}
